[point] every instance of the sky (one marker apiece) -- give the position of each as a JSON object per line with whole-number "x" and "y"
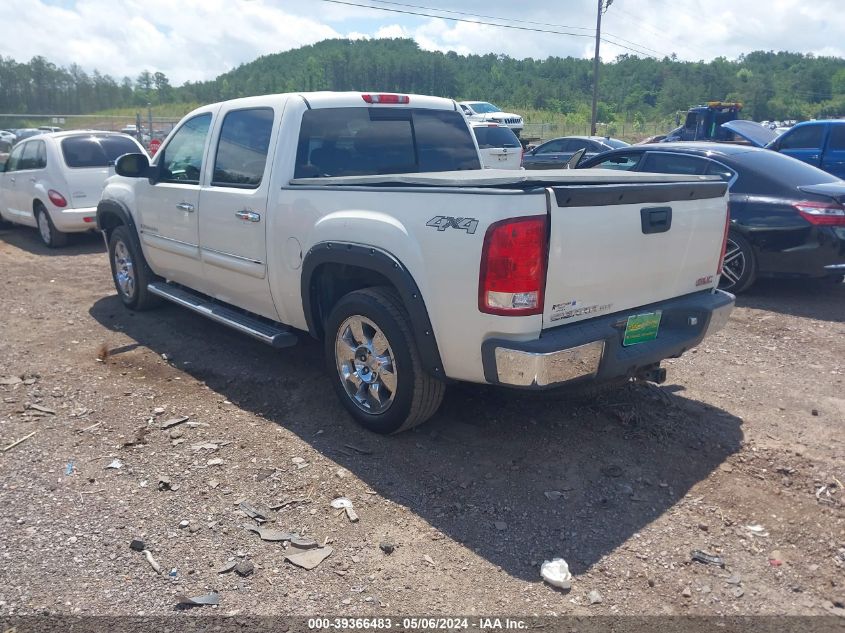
{"x": 193, "y": 40}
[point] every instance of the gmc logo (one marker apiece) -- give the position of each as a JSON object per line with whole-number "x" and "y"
{"x": 704, "y": 281}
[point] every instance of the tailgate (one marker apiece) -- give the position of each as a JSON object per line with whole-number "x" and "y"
{"x": 616, "y": 247}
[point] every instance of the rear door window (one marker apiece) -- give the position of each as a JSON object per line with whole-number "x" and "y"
{"x": 494, "y": 136}
{"x": 96, "y": 151}
{"x": 836, "y": 140}
{"x": 553, "y": 147}
{"x": 242, "y": 148}
{"x": 371, "y": 141}
{"x": 804, "y": 137}
{"x": 574, "y": 144}
{"x": 30, "y": 159}
{"x": 660, "y": 163}
{"x": 717, "y": 169}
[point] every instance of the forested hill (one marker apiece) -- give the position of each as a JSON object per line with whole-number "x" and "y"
{"x": 771, "y": 85}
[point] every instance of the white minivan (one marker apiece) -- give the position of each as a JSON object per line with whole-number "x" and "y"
{"x": 498, "y": 145}
{"x": 53, "y": 181}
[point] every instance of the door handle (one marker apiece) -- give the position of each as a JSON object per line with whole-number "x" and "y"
{"x": 248, "y": 216}
{"x": 32, "y": 180}
{"x": 12, "y": 180}
{"x": 185, "y": 206}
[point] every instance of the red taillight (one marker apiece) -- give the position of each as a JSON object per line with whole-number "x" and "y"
{"x": 385, "y": 98}
{"x": 56, "y": 198}
{"x": 89, "y": 220}
{"x": 513, "y": 267}
{"x": 821, "y": 214}
{"x": 724, "y": 240}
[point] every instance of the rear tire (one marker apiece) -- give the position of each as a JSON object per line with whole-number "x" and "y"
{"x": 50, "y": 236}
{"x": 374, "y": 364}
{"x": 739, "y": 269}
{"x": 130, "y": 272}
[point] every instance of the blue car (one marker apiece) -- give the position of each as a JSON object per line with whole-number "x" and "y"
{"x": 817, "y": 143}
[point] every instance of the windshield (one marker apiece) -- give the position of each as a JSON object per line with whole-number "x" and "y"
{"x": 96, "y": 151}
{"x": 615, "y": 143}
{"x": 482, "y": 107}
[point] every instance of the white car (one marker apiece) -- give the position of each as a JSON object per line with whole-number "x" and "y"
{"x": 498, "y": 145}
{"x": 53, "y": 181}
{"x": 484, "y": 112}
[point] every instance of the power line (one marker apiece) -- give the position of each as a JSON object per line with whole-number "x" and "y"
{"x": 430, "y": 15}
{"x": 481, "y": 15}
{"x": 662, "y": 34}
{"x": 640, "y": 48}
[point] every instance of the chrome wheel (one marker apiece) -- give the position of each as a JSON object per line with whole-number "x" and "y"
{"x": 44, "y": 227}
{"x": 365, "y": 364}
{"x": 124, "y": 270}
{"x": 734, "y": 265}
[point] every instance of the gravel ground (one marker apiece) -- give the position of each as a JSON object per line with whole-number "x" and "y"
{"x": 740, "y": 455}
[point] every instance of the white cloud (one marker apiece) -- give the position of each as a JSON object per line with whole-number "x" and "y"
{"x": 200, "y": 39}
{"x": 393, "y": 30}
{"x": 194, "y": 40}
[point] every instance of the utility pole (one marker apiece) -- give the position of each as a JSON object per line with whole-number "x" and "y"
{"x": 602, "y": 7}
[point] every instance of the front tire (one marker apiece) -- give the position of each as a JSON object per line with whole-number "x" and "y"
{"x": 47, "y": 231}
{"x": 739, "y": 269}
{"x": 374, "y": 364}
{"x": 130, "y": 272}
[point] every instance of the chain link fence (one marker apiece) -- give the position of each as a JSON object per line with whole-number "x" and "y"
{"x": 630, "y": 131}
{"x": 141, "y": 126}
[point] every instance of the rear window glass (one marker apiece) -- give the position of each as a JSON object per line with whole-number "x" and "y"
{"x": 781, "y": 169}
{"x": 96, "y": 151}
{"x": 495, "y": 136}
{"x": 372, "y": 141}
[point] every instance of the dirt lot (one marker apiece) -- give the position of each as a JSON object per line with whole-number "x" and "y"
{"x": 748, "y": 431}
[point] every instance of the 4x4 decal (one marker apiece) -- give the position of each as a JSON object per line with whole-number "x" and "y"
{"x": 443, "y": 222}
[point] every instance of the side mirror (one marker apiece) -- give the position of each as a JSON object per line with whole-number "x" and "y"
{"x": 134, "y": 166}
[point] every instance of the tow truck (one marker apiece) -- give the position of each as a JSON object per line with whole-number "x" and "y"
{"x": 704, "y": 122}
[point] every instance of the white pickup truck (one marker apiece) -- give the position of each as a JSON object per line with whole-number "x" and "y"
{"x": 366, "y": 221}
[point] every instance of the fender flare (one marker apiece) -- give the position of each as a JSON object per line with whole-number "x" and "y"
{"x": 385, "y": 264}
{"x": 112, "y": 206}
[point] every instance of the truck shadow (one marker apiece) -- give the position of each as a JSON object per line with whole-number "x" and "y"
{"x": 514, "y": 478}
{"x": 803, "y": 298}
{"x": 27, "y": 239}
